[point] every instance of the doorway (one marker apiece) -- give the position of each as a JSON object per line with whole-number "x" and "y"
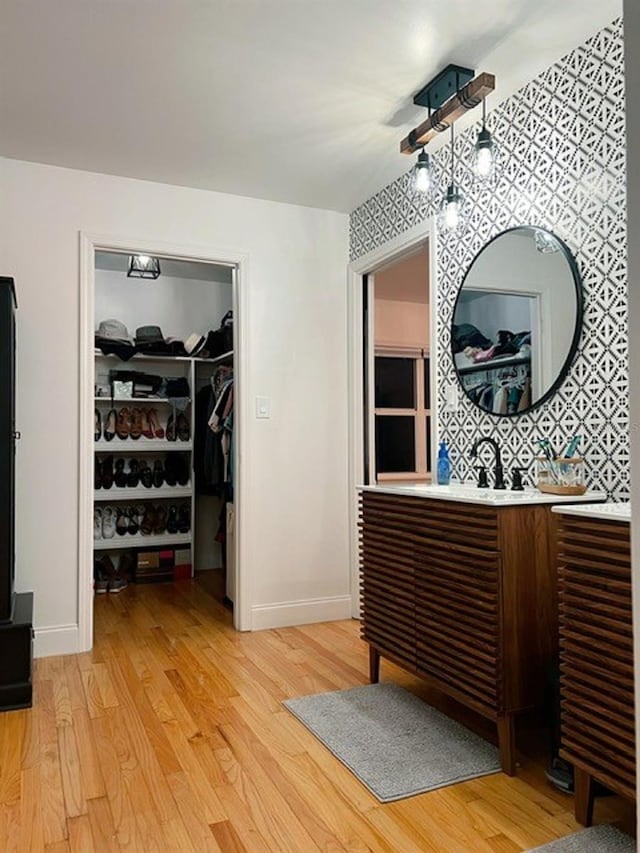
{"x": 194, "y": 289}
{"x": 412, "y": 343}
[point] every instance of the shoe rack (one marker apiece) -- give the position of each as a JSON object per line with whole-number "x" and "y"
{"x": 144, "y": 452}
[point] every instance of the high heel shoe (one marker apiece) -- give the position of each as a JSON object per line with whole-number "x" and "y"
{"x": 123, "y": 425}
{"x": 145, "y": 423}
{"x": 97, "y": 426}
{"x": 171, "y": 429}
{"x": 183, "y": 428}
{"x": 110, "y": 425}
{"x": 154, "y": 423}
{"x": 135, "y": 430}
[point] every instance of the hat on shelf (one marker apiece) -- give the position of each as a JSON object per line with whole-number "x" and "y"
{"x": 194, "y": 343}
{"x": 175, "y": 346}
{"x": 150, "y": 339}
{"x": 112, "y": 337}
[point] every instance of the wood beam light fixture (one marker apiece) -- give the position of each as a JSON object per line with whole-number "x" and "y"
{"x": 464, "y": 98}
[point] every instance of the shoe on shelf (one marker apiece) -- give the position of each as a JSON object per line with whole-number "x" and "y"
{"x": 172, "y": 519}
{"x": 120, "y": 477}
{"x": 133, "y": 477}
{"x": 122, "y": 522}
{"x": 102, "y": 569}
{"x": 147, "y": 431}
{"x": 171, "y": 429}
{"x": 149, "y": 521}
{"x": 183, "y": 427}
{"x": 97, "y": 426}
{"x": 146, "y": 476}
{"x": 139, "y": 510}
{"x": 110, "y": 425}
{"x": 107, "y": 472}
{"x": 158, "y": 473}
{"x": 97, "y": 523}
{"x": 132, "y": 516}
{"x": 160, "y": 520}
{"x": 181, "y": 469}
{"x": 97, "y": 473}
{"x": 123, "y": 425}
{"x": 184, "y": 518}
{"x": 154, "y": 423}
{"x": 135, "y": 429}
{"x": 170, "y": 472}
{"x": 108, "y": 522}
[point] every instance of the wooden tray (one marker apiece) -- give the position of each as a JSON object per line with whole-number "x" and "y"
{"x": 551, "y": 489}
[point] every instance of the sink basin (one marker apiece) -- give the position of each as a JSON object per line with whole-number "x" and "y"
{"x": 470, "y": 493}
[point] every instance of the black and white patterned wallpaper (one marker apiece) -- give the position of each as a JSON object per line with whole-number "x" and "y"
{"x": 562, "y": 166}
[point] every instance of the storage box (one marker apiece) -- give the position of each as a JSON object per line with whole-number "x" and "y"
{"x": 560, "y": 476}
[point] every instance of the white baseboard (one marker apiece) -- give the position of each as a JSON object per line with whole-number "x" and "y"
{"x": 57, "y": 640}
{"x": 286, "y": 614}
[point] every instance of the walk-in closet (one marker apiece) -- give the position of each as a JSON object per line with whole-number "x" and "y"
{"x": 164, "y": 460}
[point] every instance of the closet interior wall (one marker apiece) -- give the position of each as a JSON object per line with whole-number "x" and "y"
{"x": 187, "y": 298}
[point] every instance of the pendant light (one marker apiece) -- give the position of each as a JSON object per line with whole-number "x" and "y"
{"x": 485, "y": 148}
{"x": 143, "y": 266}
{"x": 422, "y": 173}
{"x": 451, "y": 206}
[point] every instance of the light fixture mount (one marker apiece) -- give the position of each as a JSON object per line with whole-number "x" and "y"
{"x": 445, "y": 84}
{"x": 143, "y": 266}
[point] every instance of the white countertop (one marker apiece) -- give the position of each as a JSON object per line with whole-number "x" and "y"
{"x": 470, "y": 493}
{"x": 608, "y": 511}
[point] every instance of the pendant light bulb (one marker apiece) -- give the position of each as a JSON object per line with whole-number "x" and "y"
{"x": 422, "y": 173}
{"x": 451, "y": 206}
{"x": 485, "y": 149}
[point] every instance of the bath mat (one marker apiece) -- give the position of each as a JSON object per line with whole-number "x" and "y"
{"x": 596, "y": 839}
{"x": 395, "y": 743}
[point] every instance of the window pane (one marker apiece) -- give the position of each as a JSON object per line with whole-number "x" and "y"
{"x": 395, "y": 444}
{"x": 395, "y": 384}
{"x": 427, "y": 384}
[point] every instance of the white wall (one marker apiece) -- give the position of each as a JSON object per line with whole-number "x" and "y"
{"x": 632, "y": 72}
{"x": 295, "y": 505}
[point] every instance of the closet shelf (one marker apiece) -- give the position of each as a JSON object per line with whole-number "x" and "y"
{"x": 123, "y": 543}
{"x": 141, "y": 445}
{"x": 494, "y": 364}
{"x": 116, "y": 401}
{"x": 169, "y": 358}
{"x": 140, "y": 493}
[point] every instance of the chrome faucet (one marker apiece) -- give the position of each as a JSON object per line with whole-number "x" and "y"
{"x": 498, "y": 469}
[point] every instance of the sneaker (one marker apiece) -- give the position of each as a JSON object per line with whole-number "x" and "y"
{"x": 117, "y": 583}
{"x": 100, "y": 583}
{"x": 97, "y": 523}
{"x": 108, "y": 522}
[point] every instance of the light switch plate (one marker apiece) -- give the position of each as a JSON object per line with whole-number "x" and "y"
{"x": 451, "y": 397}
{"x": 263, "y": 407}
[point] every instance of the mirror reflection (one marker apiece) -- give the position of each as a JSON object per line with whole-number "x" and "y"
{"x": 516, "y": 322}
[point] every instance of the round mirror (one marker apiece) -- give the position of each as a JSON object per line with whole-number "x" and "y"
{"x": 516, "y": 321}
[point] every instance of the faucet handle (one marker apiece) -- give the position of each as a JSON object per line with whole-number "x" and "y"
{"x": 483, "y": 482}
{"x": 516, "y": 479}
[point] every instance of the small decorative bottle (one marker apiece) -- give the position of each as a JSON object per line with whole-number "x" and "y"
{"x": 444, "y": 465}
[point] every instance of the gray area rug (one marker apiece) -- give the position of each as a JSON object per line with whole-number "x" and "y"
{"x": 395, "y": 743}
{"x": 596, "y": 839}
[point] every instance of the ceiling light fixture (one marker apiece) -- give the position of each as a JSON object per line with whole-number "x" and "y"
{"x": 485, "y": 148}
{"x": 451, "y": 205}
{"x": 143, "y": 266}
{"x": 422, "y": 173}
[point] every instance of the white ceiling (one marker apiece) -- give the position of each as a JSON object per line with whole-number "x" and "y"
{"x": 303, "y": 101}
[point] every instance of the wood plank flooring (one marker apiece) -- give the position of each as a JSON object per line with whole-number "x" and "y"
{"x": 170, "y": 736}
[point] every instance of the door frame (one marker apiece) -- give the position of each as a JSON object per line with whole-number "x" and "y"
{"x": 387, "y": 253}
{"x": 239, "y": 261}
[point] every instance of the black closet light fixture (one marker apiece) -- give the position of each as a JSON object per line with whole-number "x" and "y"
{"x": 451, "y": 205}
{"x": 422, "y": 173}
{"x": 143, "y": 266}
{"x": 485, "y": 148}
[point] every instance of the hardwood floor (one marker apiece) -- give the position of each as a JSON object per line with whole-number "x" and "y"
{"x": 170, "y": 736}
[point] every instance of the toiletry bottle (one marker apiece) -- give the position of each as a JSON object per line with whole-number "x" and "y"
{"x": 444, "y": 465}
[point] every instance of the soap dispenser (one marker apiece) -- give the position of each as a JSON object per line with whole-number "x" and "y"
{"x": 444, "y": 465}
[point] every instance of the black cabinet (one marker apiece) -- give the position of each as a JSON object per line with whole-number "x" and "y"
{"x": 16, "y": 611}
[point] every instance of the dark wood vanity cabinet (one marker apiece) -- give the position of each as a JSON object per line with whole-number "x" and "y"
{"x": 464, "y": 596}
{"x": 596, "y": 657}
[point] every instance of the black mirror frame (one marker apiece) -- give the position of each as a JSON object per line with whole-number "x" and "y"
{"x": 577, "y": 332}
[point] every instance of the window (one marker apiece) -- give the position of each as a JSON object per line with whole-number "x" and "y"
{"x": 402, "y": 416}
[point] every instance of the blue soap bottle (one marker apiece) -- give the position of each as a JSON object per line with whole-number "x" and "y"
{"x": 444, "y": 465}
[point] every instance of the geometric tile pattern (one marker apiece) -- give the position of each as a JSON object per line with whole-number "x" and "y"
{"x": 562, "y": 166}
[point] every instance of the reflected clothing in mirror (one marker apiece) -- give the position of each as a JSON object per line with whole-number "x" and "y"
{"x": 517, "y": 321}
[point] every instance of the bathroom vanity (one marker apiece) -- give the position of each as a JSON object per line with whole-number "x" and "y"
{"x": 596, "y": 650}
{"x": 458, "y": 585}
